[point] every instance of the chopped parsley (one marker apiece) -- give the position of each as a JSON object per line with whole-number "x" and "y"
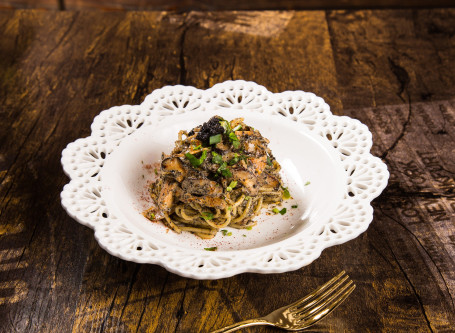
{"x": 269, "y": 161}
{"x": 294, "y": 206}
{"x": 214, "y": 139}
{"x": 196, "y": 161}
{"x": 214, "y": 248}
{"x": 236, "y": 159}
{"x": 249, "y": 228}
{"x": 226, "y": 232}
{"x": 224, "y": 170}
{"x": 286, "y": 194}
{"x": 307, "y": 183}
{"x": 217, "y": 158}
{"x": 244, "y": 235}
{"x": 225, "y": 124}
{"x": 235, "y": 140}
{"x": 230, "y": 133}
{"x": 207, "y": 215}
{"x": 276, "y": 211}
{"x": 231, "y": 186}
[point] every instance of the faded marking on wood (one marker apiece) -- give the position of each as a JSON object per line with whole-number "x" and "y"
{"x": 420, "y": 195}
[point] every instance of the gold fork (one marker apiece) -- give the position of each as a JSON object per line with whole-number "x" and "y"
{"x": 306, "y": 311}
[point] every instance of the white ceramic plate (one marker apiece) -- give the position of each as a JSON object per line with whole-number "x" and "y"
{"x": 110, "y": 172}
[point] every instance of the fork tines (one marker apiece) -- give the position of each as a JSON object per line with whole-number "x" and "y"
{"x": 324, "y": 299}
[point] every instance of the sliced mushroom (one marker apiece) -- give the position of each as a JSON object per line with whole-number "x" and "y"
{"x": 247, "y": 179}
{"x": 269, "y": 182}
{"x": 201, "y": 186}
{"x": 166, "y": 196}
{"x": 214, "y": 202}
{"x": 258, "y": 164}
{"x": 173, "y": 166}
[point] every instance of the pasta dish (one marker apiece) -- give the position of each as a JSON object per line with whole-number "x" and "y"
{"x": 219, "y": 174}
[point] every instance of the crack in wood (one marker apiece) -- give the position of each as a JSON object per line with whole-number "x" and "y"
{"x": 162, "y": 289}
{"x": 140, "y": 318}
{"x": 65, "y": 34}
{"x": 20, "y": 149}
{"x": 130, "y": 288}
{"x": 419, "y": 300}
{"x": 106, "y": 317}
{"x": 182, "y": 54}
{"x": 428, "y": 255}
{"x": 181, "y": 311}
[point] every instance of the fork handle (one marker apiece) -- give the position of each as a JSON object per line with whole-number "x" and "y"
{"x": 242, "y": 324}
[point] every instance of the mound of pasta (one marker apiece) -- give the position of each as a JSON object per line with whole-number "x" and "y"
{"x": 219, "y": 174}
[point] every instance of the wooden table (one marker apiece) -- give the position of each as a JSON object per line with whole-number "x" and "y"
{"x": 391, "y": 69}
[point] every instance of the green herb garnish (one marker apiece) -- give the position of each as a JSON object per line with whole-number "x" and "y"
{"x": 249, "y": 228}
{"x": 211, "y": 248}
{"x": 197, "y": 147}
{"x": 294, "y": 206}
{"x": 276, "y": 211}
{"x": 226, "y": 232}
{"x": 214, "y": 139}
{"x": 269, "y": 161}
{"x": 307, "y": 183}
{"x": 230, "y": 133}
{"x": 216, "y": 158}
{"x": 244, "y": 235}
{"x": 286, "y": 194}
{"x": 207, "y": 215}
{"x": 236, "y": 159}
{"x": 231, "y": 186}
{"x": 224, "y": 171}
{"x": 225, "y": 124}
{"x": 196, "y": 161}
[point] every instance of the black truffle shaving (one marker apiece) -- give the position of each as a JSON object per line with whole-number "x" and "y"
{"x": 208, "y": 129}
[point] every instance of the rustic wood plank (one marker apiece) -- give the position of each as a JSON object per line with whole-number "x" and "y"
{"x": 31, "y": 4}
{"x": 53, "y": 79}
{"x": 238, "y": 45}
{"x": 215, "y": 5}
{"x": 410, "y": 89}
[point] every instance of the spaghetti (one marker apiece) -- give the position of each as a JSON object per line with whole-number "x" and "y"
{"x": 219, "y": 174}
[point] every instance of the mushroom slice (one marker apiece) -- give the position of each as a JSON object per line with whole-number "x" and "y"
{"x": 269, "y": 182}
{"x": 258, "y": 164}
{"x": 173, "y": 166}
{"x": 166, "y": 196}
{"x": 201, "y": 186}
{"x": 247, "y": 179}
{"x": 213, "y": 202}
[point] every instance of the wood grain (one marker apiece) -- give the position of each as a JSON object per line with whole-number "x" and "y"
{"x": 390, "y": 69}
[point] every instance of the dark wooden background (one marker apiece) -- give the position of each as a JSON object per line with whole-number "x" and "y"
{"x": 207, "y": 5}
{"x": 391, "y": 69}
